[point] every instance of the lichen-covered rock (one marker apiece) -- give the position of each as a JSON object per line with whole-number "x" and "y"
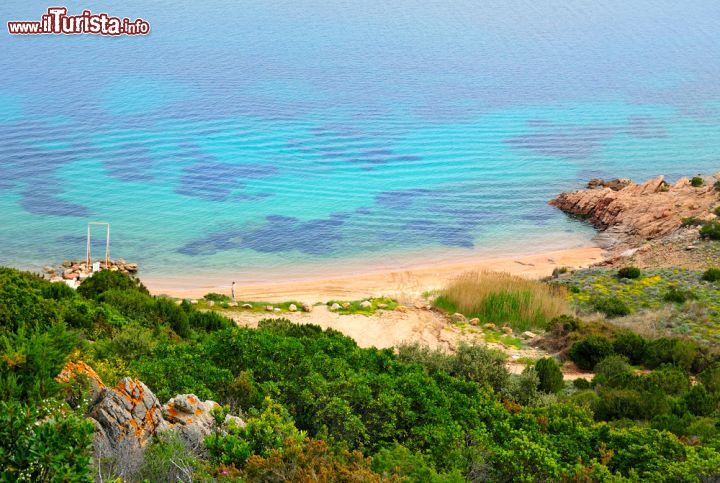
{"x": 127, "y": 411}
{"x": 192, "y": 418}
{"x": 129, "y": 414}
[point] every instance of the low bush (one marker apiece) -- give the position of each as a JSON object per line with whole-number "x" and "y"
{"x": 613, "y": 371}
{"x": 711, "y": 379}
{"x": 671, "y": 379}
{"x": 679, "y": 295}
{"x": 711, "y": 230}
{"x": 611, "y": 306}
{"x": 711, "y": 275}
{"x": 39, "y": 446}
{"x": 217, "y": 297}
{"x": 108, "y": 280}
{"x": 696, "y": 181}
{"x": 629, "y": 272}
{"x": 629, "y": 344}
{"x": 699, "y": 401}
{"x": 550, "y": 375}
{"x": 691, "y": 221}
{"x": 668, "y": 350}
{"x": 589, "y": 351}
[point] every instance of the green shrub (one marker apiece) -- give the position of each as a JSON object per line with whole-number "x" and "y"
{"x": 550, "y": 375}
{"x": 717, "y": 185}
{"x": 629, "y": 272}
{"x": 400, "y": 461}
{"x": 711, "y": 379}
{"x": 716, "y": 211}
{"x": 711, "y": 230}
{"x": 699, "y": 401}
{"x": 565, "y": 324}
{"x": 588, "y": 352}
{"x": 261, "y": 434}
{"x": 679, "y": 295}
{"x": 474, "y": 363}
{"x": 696, "y": 181}
{"x": 613, "y": 371}
{"x": 38, "y": 445}
{"x": 30, "y": 359}
{"x": 57, "y": 291}
{"x": 671, "y": 379}
{"x": 217, "y": 297}
{"x": 691, "y": 221}
{"x": 611, "y": 306}
{"x": 668, "y": 350}
{"x": 106, "y": 280}
{"x": 711, "y": 275}
{"x": 629, "y": 344}
{"x": 523, "y": 388}
{"x": 168, "y": 459}
{"x": 581, "y": 383}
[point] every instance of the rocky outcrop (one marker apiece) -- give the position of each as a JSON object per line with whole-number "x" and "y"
{"x": 193, "y": 419}
{"x": 129, "y": 414}
{"x": 80, "y": 270}
{"x": 129, "y": 411}
{"x": 630, "y": 214}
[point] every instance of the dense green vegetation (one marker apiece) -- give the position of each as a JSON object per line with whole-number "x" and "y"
{"x": 317, "y": 404}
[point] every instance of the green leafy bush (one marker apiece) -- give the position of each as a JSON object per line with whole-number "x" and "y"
{"x": 630, "y": 345}
{"x": 668, "y": 350}
{"x": 581, "y": 384}
{"x": 679, "y": 295}
{"x": 550, "y": 375}
{"x": 629, "y": 272}
{"x": 711, "y": 275}
{"x": 42, "y": 445}
{"x": 614, "y": 371}
{"x": 696, "y": 181}
{"x": 106, "y": 280}
{"x": 611, "y": 306}
{"x": 671, "y": 379}
{"x": 588, "y": 352}
{"x": 217, "y": 297}
{"x": 710, "y": 378}
{"x": 711, "y": 230}
{"x": 699, "y": 401}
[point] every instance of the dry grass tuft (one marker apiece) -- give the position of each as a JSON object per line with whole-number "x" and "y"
{"x": 504, "y": 298}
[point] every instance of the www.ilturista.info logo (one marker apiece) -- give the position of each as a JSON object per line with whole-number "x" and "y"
{"x": 56, "y": 21}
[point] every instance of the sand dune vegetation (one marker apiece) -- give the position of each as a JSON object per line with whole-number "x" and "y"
{"x": 503, "y": 298}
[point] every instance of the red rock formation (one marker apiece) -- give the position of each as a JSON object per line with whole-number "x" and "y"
{"x": 635, "y": 213}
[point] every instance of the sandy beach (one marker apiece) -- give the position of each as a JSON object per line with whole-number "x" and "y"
{"x": 404, "y": 285}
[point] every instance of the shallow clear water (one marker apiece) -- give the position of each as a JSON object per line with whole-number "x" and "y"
{"x": 270, "y": 138}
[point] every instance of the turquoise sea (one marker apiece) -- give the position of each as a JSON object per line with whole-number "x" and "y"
{"x": 269, "y": 139}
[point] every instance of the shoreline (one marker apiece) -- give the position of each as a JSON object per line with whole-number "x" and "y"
{"x": 405, "y": 285}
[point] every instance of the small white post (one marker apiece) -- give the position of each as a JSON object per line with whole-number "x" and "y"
{"x": 88, "y": 258}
